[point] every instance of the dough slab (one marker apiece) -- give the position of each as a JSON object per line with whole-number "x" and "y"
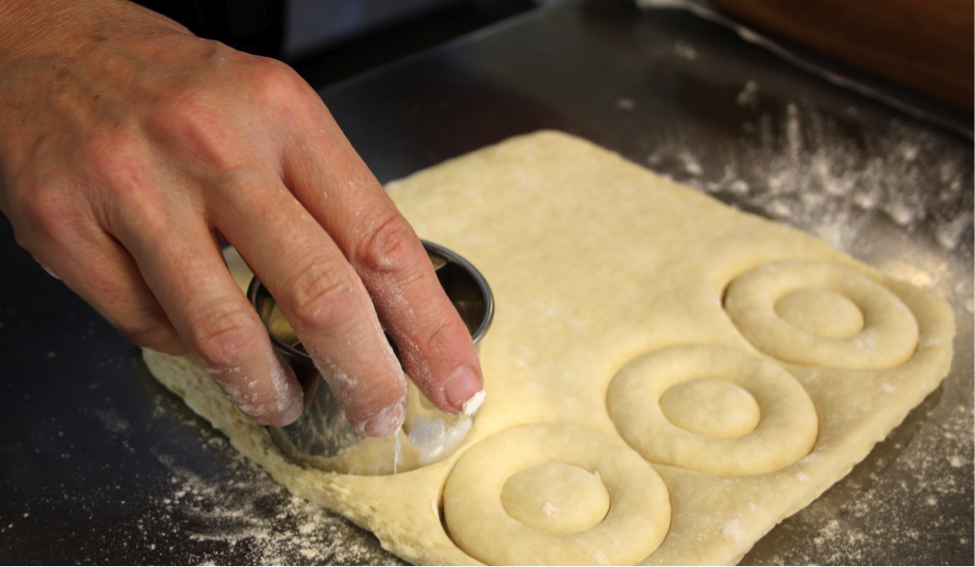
{"x": 663, "y": 356}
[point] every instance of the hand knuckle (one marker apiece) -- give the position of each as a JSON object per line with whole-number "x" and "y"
{"x": 114, "y": 148}
{"x": 183, "y": 106}
{"x": 275, "y": 81}
{"x": 192, "y": 119}
{"x": 438, "y": 335}
{"x": 391, "y": 246}
{"x": 322, "y": 298}
{"x": 119, "y": 161}
{"x": 141, "y": 208}
{"x": 223, "y": 335}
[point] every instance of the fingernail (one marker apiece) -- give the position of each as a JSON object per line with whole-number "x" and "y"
{"x": 462, "y": 387}
{"x": 385, "y": 422}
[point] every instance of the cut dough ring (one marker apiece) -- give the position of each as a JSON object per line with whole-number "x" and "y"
{"x": 785, "y": 433}
{"x": 888, "y": 338}
{"x": 637, "y": 521}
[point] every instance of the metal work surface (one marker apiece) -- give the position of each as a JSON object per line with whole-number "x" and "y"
{"x": 100, "y": 464}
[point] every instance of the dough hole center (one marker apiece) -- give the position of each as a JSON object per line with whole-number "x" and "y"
{"x": 711, "y": 408}
{"x": 820, "y": 312}
{"x": 555, "y": 497}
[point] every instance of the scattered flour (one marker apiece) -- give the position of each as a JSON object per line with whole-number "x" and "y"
{"x": 805, "y": 168}
{"x": 624, "y": 103}
{"x": 899, "y": 197}
{"x": 252, "y": 520}
{"x": 111, "y": 420}
{"x": 747, "y": 96}
{"x": 734, "y": 529}
{"x": 237, "y": 514}
{"x": 685, "y": 50}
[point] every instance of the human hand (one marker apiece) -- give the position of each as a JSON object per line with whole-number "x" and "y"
{"x": 131, "y": 149}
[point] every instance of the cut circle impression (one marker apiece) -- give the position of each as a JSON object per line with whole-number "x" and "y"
{"x": 712, "y": 408}
{"x": 787, "y": 421}
{"x": 622, "y": 517}
{"x": 820, "y": 314}
{"x": 555, "y": 497}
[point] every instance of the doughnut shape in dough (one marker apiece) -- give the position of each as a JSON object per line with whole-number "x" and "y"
{"x": 786, "y": 430}
{"x": 763, "y": 304}
{"x": 638, "y": 515}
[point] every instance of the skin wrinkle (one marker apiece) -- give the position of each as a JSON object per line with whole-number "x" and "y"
{"x": 304, "y": 324}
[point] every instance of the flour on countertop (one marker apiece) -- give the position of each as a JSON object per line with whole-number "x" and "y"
{"x": 747, "y": 96}
{"x": 821, "y": 174}
{"x": 685, "y": 50}
{"x": 241, "y": 515}
{"x": 806, "y": 169}
{"x": 253, "y": 517}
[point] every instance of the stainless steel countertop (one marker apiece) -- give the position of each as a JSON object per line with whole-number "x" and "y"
{"x": 99, "y": 464}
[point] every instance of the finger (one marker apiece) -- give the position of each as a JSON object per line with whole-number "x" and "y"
{"x": 212, "y": 316}
{"x": 435, "y": 345}
{"x": 321, "y": 296}
{"x": 96, "y": 267}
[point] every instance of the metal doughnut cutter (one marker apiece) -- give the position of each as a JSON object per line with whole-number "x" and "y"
{"x": 322, "y": 430}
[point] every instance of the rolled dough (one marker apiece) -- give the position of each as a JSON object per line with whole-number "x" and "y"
{"x": 625, "y": 304}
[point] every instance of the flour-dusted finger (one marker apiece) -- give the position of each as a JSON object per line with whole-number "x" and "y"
{"x": 436, "y": 348}
{"x": 321, "y": 296}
